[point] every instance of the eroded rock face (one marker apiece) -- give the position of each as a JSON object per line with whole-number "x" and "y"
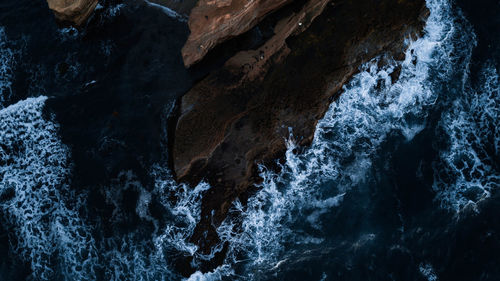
{"x": 247, "y": 66}
{"x": 214, "y": 21}
{"x": 75, "y": 12}
{"x": 241, "y": 115}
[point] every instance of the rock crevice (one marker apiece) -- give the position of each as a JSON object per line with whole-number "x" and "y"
{"x": 214, "y": 21}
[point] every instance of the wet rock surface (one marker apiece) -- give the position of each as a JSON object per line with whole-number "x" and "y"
{"x": 242, "y": 114}
{"x": 212, "y": 22}
{"x": 75, "y": 12}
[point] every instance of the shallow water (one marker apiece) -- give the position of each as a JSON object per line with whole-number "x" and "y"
{"x": 400, "y": 183}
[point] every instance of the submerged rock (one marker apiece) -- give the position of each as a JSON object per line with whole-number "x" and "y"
{"x": 75, "y": 12}
{"x": 241, "y": 115}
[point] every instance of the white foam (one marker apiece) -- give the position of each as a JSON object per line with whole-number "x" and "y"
{"x": 428, "y": 272}
{"x": 186, "y": 211}
{"x": 132, "y": 257}
{"x": 465, "y": 174}
{"x": 346, "y": 140}
{"x": 7, "y": 63}
{"x": 214, "y": 275}
{"x": 42, "y": 210}
{"x": 310, "y": 185}
{"x": 322, "y": 207}
{"x": 115, "y": 10}
{"x": 68, "y": 34}
{"x": 169, "y": 12}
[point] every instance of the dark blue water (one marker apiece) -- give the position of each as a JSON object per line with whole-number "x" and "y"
{"x": 400, "y": 183}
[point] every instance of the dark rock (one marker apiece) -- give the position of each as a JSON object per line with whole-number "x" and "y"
{"x": 241, "y": 115}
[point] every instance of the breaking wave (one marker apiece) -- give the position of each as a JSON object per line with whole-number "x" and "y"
{"x": 371, "y": 108}
{"x": 40, "y": 204}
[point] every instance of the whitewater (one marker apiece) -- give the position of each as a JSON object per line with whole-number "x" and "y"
{"x": 288, "y": 223}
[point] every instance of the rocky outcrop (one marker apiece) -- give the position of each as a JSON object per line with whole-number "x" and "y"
{"x": 246, "y": 66}
{"x": 75, "y": 12}
{"x": 214, "y": 21}
{"x": 240, "y": 115}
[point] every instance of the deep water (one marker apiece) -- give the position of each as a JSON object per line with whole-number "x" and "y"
{"x": 400, "y": 183}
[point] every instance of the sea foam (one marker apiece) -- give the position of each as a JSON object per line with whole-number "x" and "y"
{"x": 371, "y": 107}
{"x": 467, "y": 170}
{"x": 37, "y": 202}
{"x": 7, "y": 65}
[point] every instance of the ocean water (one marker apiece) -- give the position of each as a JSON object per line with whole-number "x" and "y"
{"x": 400, "y": 182}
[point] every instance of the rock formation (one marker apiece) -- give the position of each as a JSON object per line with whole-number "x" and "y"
{"x": 212, "y": 22}
{"x": 240, "y": 115}
{"x": 75, "y": 12}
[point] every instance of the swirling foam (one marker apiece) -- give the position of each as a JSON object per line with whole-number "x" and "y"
{"x": 468, "y": 169}
{"x": 36, "y": 199}
{"x": 346, "y": 140}
{"x": 7, "y": 63}
{"x": 44, "y": 211}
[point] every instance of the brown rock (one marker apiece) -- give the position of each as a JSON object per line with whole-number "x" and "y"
{"x": 240, "y": 115}
{"x": 75, "y": 12}
{"x": 214, "y": 21}
{"x": 256, "y": 62}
